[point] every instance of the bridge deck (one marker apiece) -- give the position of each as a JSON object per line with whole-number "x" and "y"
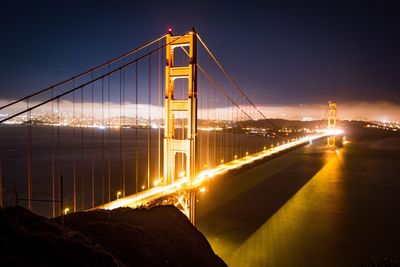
{"x": 160, "y": 191}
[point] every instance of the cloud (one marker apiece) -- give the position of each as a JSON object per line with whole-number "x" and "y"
{"x": 379, "y": 110}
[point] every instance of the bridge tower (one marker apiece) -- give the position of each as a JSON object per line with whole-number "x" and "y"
{"x": 187, "y": 144}
{"x": 331, "y": 122}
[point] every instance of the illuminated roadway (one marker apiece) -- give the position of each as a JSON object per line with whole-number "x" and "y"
{"x": 149, "y": 196}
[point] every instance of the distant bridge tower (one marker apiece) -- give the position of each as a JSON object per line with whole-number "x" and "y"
{"x": 187, "y": 144}
{"x": 331, "y": 122}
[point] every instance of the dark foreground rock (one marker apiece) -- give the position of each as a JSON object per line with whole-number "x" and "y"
{"x": 161, "y": 236}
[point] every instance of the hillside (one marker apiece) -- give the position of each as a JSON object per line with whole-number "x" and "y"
{"x": 161, "y": 236}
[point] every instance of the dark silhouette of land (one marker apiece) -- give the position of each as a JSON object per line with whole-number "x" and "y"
{"x": 161, "y": 236}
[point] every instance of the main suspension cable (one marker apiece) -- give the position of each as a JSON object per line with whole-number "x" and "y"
{"x": 28, "y": 109}
{"x": 223, "y": 91}
{"x": 135, "y": 50}
{"x": 233, "y": 81}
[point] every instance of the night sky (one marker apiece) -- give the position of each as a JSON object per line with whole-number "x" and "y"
{"x": 284, "y": 53}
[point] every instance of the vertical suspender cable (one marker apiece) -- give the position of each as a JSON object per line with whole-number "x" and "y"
{"x": 238, "y": 132}
{"x": 159, "y": 105}
{"x": 231, "y": 150}
{"x": 123, "y": 133}
{"x": 215, "y": 163}
{"x": 109, "y": 136}
{"x": 149, "y": 124}
{"x": 53, "y": 173}
{"x": 120, "y": 133}
{"x": 136, "y": 130}
{"x": 220, "y": 137}
{"x": 92, "y": 141}
{"x": 102, "y": 143}
{"x": 74, "y": 144}
{"x": 223, "y": 132}
{"x": 29, "y": 169}
{"x": 199, "y": 155}
{"x": 81, "y": 156}
{"x": 208, "y": 98}
{"x": 57, "y": 155}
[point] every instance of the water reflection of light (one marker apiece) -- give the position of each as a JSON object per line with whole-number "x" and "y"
{"x": 285, "y": 233}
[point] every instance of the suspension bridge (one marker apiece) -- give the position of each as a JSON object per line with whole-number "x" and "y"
{"x": 150, "y": 127}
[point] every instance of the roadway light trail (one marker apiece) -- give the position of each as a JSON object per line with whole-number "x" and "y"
{"x": 145, "y": 197}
